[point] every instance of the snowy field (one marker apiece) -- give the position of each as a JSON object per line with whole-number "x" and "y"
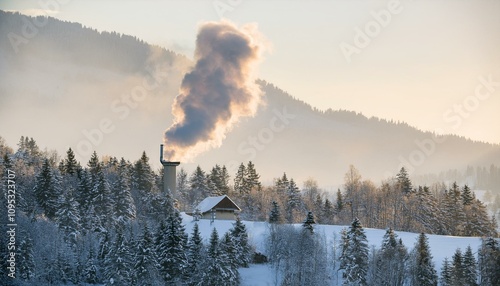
{"x": 262, "y": 275}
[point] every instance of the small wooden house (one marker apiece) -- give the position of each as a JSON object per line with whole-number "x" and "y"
{"x": 221, "y": 207}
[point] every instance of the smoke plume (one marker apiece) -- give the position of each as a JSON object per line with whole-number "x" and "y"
{"x": 218, "y": 91}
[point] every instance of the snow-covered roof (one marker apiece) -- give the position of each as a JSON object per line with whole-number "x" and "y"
{"x": 210, "y": 202}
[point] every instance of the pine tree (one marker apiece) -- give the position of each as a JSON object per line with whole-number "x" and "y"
{"x": 196, "y": 254}
{"x": 68, "y": 218}
{"x": 275, "y": 214}
{"x": 143, "y": 175}
{"x": 171, "y": 249}
{"x": 198, "y": 186}
{"x": 224, "y": 181}
{"x": 428, "y": 214}
{"x": 354, "y": 258}
{"x": 183, "y": 190}
{"x": 390, "y": 260}
{"x": 102, "y": 200}
{"x": 215, "y": 273}
{"x": 70, "y": 165}
{"x": 124, "y": 207}
{"x": 230, "y": 256}
{"x": 94, "y": 167}
{"x": 281, "y": 185}
{"x": 467, "y": 196}
{"x": 240, "y": 181}
{"x": 252, "y": 178}
{"x": 145, "y": 263}
{"x": 489, "y": 262}
{"x": 403, "y": 181}
{"x": 83, "y": 194}
{"x": 90, "y": 271}
{"x": 328, "y": 212}
{"x": 469, "y": 267}
{"x": 212, "y": 188}
{"x": 47, "y": 190}
{"x": 26, "y": 260}
{"x": 118, "y": 262}
{"x": 446, "y": 275}
{"x": 240, "y": 236}
{"x": 294, "y": 201}
{"x": 309, "y": 222}
{"x": 457, "y": 270}
{"x": 423, "y": 271}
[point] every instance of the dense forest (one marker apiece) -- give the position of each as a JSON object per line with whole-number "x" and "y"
{"x": 110, "y": 222}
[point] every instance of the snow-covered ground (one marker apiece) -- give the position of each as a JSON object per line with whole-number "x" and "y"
{"x": 262, "y": 275}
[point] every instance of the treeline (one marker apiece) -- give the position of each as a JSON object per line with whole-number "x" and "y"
{"x": 106, "y": 223}
{"x": 396, "y": 203}
{"x": 110, "y": 220}
{"x": 304, "y": 257}
{"x": 483, "y": 178}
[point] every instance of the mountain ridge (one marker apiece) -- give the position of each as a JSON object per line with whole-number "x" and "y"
{"x": 69, "y": 65}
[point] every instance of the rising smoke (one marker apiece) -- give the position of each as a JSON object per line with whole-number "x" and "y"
{"x": 218, "y": 91}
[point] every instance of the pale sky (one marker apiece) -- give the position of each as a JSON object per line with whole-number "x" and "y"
{"x": 428, "y": 65}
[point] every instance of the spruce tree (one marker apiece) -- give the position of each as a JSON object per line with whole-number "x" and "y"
{"x": 489, "y": 261}
{"x": 90, "y": 269}
{"x": 240, "y": 236}
{"x": 240, "y": 181}
{"x": 47, "y": 190}
{"x": 145, "y": 263}
{"x": 68, "y": 218}
{"x": 293, "y": 202}
{"x": 124, "y": 207}
{"x": 467, "y": 195}
{"x": 143, "y": 175}
{"x": 390, "y": 260}
{"x": 196, "y": 254}
{"x": 230, "y": 258}
{"x": 275, "y": 214}
{"x": 224, "y": 181}
{"x": 309, "y": 223}
{"x": 446, "y": 273}
{"x": 102, "y": 200}
{"x": 423, "y": 271}
{"x": 183, "y": 190}
{"x": 215, "y": 273}
{"x": 118, "y": 262}
{"x": 70, "y": 165}
{"x": 198, "y": 186}
{"x": 26, "y": 261}
{"x": 171, "y": 250}
{"x": 470, "y": 267}
{"x": 252, "y": 177}
{"x": 94, "y": 167}
{"x": 328, "y": 212}
{"x": 403, "y": 181}
{"x": 354, "y": 258}
{"x": 457, "y": 270}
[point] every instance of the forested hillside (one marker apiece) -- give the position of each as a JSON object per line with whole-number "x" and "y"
{"x": 79, "y": 77}
{"x": 109, "y": 220}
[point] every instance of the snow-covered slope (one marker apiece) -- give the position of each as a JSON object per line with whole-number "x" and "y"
{"x": 441, "y": 246}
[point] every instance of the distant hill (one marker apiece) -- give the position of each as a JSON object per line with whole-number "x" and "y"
{"x": 66, "y": 79}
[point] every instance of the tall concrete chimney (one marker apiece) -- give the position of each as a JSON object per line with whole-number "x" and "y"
{"x": 169, "y": 174}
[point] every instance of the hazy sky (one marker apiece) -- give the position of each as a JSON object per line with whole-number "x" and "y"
{"x": 432, "y": 64}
